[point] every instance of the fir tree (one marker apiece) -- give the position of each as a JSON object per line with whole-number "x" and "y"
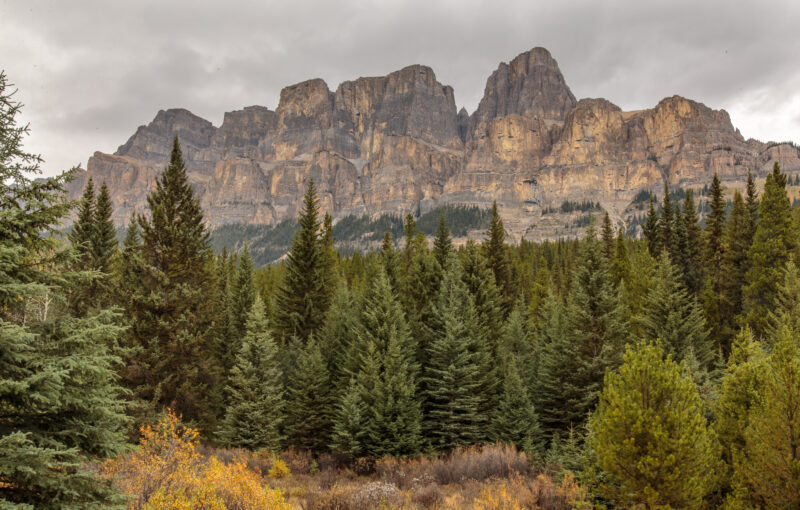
{"x": 479, "y": 279}
{"x": 81, "y": 234}
{"x": 60, "y": 403}
{"x": 620, "y": 263}
{"x": 338, "y": 337}
{"x": 242, "y": 296}
{"x": 442, "y": 243}
{"x": 498, "y": 259}
{"x": 302, "y": 299}
{"x": 391, "y": 262}
{"x": 607, "y": 235}
{"x": 308, "y": 401}
{"x": 170, "y": 307}
{"x": 542, "y": 286}
{"x": 455, "y": 370}
{"x": 786, "y": 313}
{"x": 649, "y": 435}
{"x": 667, "y": 223}
{"x": 515, "y": 421}
{"x": 751, "y": 199}
{"x": 713, "y": 258}
{"x": 674, "y": 317}
{"x": 769, "y": 252}
{"x": 594, "y": 333}
{"x": 348, "y": 423}
{"x": 650, "y": 230}
{"x": 692, "y": 257}
{"x": 737, "y": 243}
{"x": 104, "y": 235}
{"x": 329, "y": 258}
{"x": 254, "y": 414}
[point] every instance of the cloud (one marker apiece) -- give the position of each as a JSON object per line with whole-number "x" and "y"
{"x": 89, "y": 75}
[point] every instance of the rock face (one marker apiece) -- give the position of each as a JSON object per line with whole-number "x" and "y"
{"x": 398, "y": 144}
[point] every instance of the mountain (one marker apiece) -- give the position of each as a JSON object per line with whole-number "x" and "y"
{"x": 396, "y": 144}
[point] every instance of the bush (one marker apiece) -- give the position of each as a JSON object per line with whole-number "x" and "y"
{"x": 428, "y": 496}
{"x": 167, "y": 471}
{"x": 278, "y": 469}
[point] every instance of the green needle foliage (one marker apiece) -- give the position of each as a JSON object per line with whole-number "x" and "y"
{"x": 649, "y": 434}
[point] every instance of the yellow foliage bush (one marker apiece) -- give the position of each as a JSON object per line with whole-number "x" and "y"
{"x": 279, "y": 469}
{"x": 519, "y": 493}
{"x": 167, "y": 472}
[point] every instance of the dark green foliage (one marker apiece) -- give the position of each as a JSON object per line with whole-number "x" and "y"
{"x": 242, "y": 297}
{"x": 713, "y": 258}
{"x": 767, "y": 256}
{"x": 666, "y": 224}
{"x": 442, "y": 243}
{"x": 302, "y": 299}
{"x": 338, "y": 336}
{"x": 691, "y": 253}
{"x": 348, "y": 422}
{"x": 738, "y": 239}
{"x": 650, "y": 230}
{"x": 515, "y": 420}
{"x": 455, "y": 369}
{"x": 81, "y": 234}
{"x": 497, "y": 257}
{"x": 594, "y": 333}
{"x": 479, "y": 279}
{"x": 168, "y": 303}
{"x": 255, "y": 410}
{"x": 309, "y": 403}
{"x": 104, "y": 234}
{"x": 568, "y": 206}
{"x": 674, "y": 317}
{"x": 391, "y": 262}
{"x": 607, "y": 235}
{"x": 60, "y": 403}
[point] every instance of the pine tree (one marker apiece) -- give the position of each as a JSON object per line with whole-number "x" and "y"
{"x": 302, "y": 300}
{"x": 497, "y": 256}
{"x": 542, "y": 286}
{"x": 515, "y": 421}
{"x": 60, "y": 402}
{"x": 650, "y": 230}
{"x": 594, "y": 333}
{"x": 104, "y": 235}
{"x": 769, "y": 466}
{"x": 330, "y": 257}
{"x": 751, "y": 199}
{"x": 442, "y": 243}
{"x": 675, "y": 318}
{"x": 769, "y": 252}
{"x": 620, "y": 263}
{"x": 787, "y": 304}
{"x": 391, "y": 262}
{"x": 479, "y": 279}
{"x": 309, "y": 405}
{"x": 713, "y": 258}
{"x": 667, "y": 223}
{"x": 170, "y": 308}
{"x": 254, "y": 415}
{"x": 649, "y": 434}
{"x": 338, "y": 337}
{"x": 456, "y": 368}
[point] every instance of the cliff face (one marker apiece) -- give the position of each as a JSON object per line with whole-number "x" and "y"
{"x": 397, "y": 144}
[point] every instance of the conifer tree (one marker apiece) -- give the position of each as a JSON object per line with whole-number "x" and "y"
{"x": 667, "y": 223}
{"x": 515, "y": 420}
{"x": 309, "y": 405}
{"x": 302, "y": 300}
{"x": 330, "y": 258}
{"x": 104, "y": 235}
{"x": 456, "y": 368}
{"x": 442, "y": 243}
{"x": 607, "y": 235}
{"x": 410, "y": 232}
{"x": 769, "y": 467}
{"x": 769, "y": 252}
{"x": 675, "y": 318}
{"x": 516, "y": 344}
{"x": 693, "y": 254}
{"x": 391, "y": 262}
{"x": 786, "y": 313}
{"x": 60, "y": 402}
{"x": 479, "y": 279}
{"x": 620, "y": 263}
{"x": 338, "y": 337}
{"x": 498, "y": 259}
{"x": 713, "y": 255}
{"x": 649, "y": 434}
{"x": 594, "y": 333}
{"x": 650, "y": 230}
{"x": 751, "y": 199}
{"x": 254, "y": 414}
{"x": 242, "y": 297}
{"x": 81, "y": 234}
{"x": 170, "y": 306}
{"x": 737, "y": 243}
{"x": 542, "y": 286}
{"x": 348, "y": 423}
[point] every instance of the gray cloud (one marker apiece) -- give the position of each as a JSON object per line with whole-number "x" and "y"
{"x": 90, "y": 72}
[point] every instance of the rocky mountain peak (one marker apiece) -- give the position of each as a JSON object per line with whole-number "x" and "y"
{"x": 154, "y": 141}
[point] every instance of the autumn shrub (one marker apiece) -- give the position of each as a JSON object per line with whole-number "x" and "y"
{"x": 298, "y": 461}
{"x": 428, "y": 496}
{"x": 278, "y": 469}
{"x": 519, "y": 493}
{"x": 167, "y": 471}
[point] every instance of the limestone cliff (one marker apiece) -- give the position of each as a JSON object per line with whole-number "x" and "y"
{"x": 398, "y": 144}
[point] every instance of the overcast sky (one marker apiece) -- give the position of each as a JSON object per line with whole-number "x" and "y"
{"x": 90, "y": 72}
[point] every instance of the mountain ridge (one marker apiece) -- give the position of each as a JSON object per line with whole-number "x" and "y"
{"x": 398, "y": 144}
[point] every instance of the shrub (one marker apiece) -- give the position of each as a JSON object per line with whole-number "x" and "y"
{"x": 279, "y": 469}
{"x": 167, "y": 471}
{"x": 428, "y": 496}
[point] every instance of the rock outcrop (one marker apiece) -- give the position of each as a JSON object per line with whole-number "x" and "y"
{"x": 398, "y": 144}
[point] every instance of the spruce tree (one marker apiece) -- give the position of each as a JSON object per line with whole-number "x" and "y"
{"x": 713, "y": 258}
{"x": 620, "y": 266}
{"x": 751, "y": 199}
{"x": 60, "y": 402}
{"x": 348, "y": 423}
{"x": 456, "y": 368}
{"x": 649, "y": 435}
{"x": 667, "y": 223}
{"x": 330, "y": 258}
{"x": 171, "y": 310}
{"x": 442, "y": 243}
{"x": 302, "y": 300}
{"x": 242, "y": 297}
{"x": 594, "y": 334}
{"x": 255, "y": 410}
{"x": 675, "y": 318}
{"x": 104, "y": 234}
{"x": 391, "y": 262}
{"x": 693, "y": 254}
{"x": 338, "y": 336}
{"x": 650, "y": 230}
{"x": 737, "y": 243}
{"x": 497, "y": 256}
{"x": 786, "y": 313}
{"x": 515, "y": 420}
{"x": 309, "y": 404}
{"x": 767, "y": 256}
{"x": 479, "y": 279}
{"x": 81, "y": 234}
{"x": 607, "y": 235}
